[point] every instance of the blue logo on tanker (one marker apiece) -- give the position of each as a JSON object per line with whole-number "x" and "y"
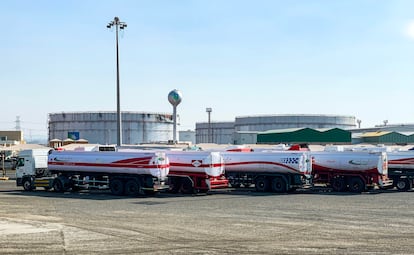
{"x": 289, "y": 160}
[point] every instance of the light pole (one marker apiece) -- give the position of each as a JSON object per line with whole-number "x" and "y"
{"x": 359, "y": 123}
{"x": 118, "y": 25}
{"x": 209, "y": 110}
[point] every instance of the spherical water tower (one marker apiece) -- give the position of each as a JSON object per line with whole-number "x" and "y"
{"x": 175, "y": 97}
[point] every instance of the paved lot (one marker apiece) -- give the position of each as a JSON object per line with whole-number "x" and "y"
{"x": 227, "y": 222}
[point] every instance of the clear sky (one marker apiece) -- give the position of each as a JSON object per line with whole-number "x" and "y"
{"x": 239, "y": 57}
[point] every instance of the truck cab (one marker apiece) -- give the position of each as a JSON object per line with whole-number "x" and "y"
{"x": 31, "y": 164}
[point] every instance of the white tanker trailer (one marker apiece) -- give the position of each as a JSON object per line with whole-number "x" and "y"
{"x": 401, "y": 169}
{"x": 192, "y": 171}
{"x": 277, "y": 171}
{"x": 355, "y": 171}
{"x": 124, "y": 173}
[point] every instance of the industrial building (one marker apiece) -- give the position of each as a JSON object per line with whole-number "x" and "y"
{"x": 11, "y": 137}
{"x": 386, "y": 137}
{"x": 215, "y": 132}
{"x": 101, "y": 127}
{"x": 385, "y": 134}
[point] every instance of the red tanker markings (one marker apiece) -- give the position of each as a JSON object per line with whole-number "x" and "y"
{"x": 145, "y": 160}
{"x": 108, "y": 165}
{"x": 405, "y": 161}
{"x": 316, "y": 167}
{"x": 260, "y": 162}
{"x": 191, "y": 165}
{"x": 127, "y": 163}
{"x": 185, "y": 173}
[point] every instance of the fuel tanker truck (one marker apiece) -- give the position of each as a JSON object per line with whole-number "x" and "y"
{"x": 196, "y": 171}
{"x": 401, "y": 169}
{"x": 276, "y": 171}
{"x": 122, "y": 172}
{"x": 400, "y": 164}
{"x": 192, "y": 171}
{"x": 349, "y": 170}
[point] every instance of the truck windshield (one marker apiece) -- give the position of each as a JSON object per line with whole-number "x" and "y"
{"x": 20, "y": 162}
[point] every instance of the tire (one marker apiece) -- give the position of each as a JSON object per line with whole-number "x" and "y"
{"x": 28, "y": 184}
{"x": 61, "y": 184}
{"x": 132, "y": 188}
{"x": 356, "y": 185}
{"x": 262, "y": 184}
{"x": 403, "y": 184}
{"x": 174, "y": 185}
{"x": 117, "y": 187}
{"x": 278, "y": 185}
{"x": 187, "y": 186}
{"x": 338, "y": 184}
{"x": 58, "y": 185}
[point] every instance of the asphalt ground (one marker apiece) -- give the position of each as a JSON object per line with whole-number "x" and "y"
{"x": 222, "y": 222}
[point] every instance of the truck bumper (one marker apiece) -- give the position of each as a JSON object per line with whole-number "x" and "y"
{"x": 161, "y": 187}
{"x": 385, "y": 183}
{"x": 218, "y": 183}
{"x": 19, "y": 181}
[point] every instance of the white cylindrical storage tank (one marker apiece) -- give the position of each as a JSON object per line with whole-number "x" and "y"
{"x": 271, "y": 122}
{"x": 101, "y": 127}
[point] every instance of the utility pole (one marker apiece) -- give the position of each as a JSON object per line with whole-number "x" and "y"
{"x": 118, "y": 25}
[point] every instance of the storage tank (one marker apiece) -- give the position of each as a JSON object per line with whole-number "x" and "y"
{"x": 271, "y": 122}
{"x": 101, "y": 127}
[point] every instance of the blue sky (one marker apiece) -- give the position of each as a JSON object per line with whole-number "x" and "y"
{"x": 239, "y": 57}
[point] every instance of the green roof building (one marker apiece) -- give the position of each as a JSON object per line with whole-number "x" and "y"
{"x": 305, "y": 135}
{"x": 385, "y": 137}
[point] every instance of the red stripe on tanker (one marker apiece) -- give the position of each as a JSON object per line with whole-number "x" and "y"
{"x": 350, "y": 161}
{"x": 153, "y": 163}
{"x": 401, "y": 159}
{"x": 210, "y": 163}
{"x": 271, "y": 162}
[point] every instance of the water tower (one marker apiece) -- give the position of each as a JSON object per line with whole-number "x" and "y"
{"x": 175, "y": 97}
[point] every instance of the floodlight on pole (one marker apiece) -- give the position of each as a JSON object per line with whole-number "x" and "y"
{"x": 118, "y": 25}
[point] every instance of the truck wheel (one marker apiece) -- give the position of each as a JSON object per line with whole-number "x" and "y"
{"x": 28, "y": 184}
{"x": 173, "y": 185}
{"x": 356, "y": 185}
{"x": 117, "y": 187}
{"x": 278, "y": 185}
{"x": 262, "y": 184}
{"x": 58, "y": 185}
{"x": 132, "y": 188}
{"x": 61, "y": 184}
{"x": 187, "y": 186}
{"x": 403, "y": 184}
{"x": 338, "y": 184}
